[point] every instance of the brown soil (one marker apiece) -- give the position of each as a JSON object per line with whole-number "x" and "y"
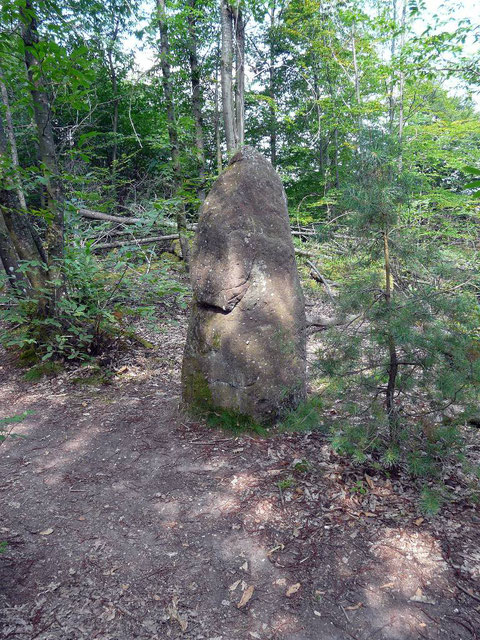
{"x": 124, "y": 519}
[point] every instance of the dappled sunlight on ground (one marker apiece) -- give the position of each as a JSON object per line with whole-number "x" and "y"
{"x": 410, "y": 559}
{"x": 124, "y": 516}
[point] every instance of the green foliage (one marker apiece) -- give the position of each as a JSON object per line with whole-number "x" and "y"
{"x": 233, "y": 422}
{"x": 38, "y": 371}
{"x": 92, "y": 313}
{"x": 431, "y": 501}
{"x": 286, "y": 483}
{"x": 6, "y": 429}
{"x": 306, "y": 417}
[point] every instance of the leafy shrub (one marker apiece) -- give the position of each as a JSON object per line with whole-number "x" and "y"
{"x": 90, "y": 315}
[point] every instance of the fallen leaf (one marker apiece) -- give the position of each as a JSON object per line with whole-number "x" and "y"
{"x": 419, "y": 521}
{"x": 293, "y": 589}
{"x": 281, "y": 582}
{"x": 354, "y": 607}
{"x": 246, "y": 597}
{"x": 174, "y": 615}
{"x": 109, "y": 615}
{"x": 46, "y": 532}
{"x": 244, "y": 566}
{"x": 370, "y": 482}
{"x": 419, "y": 597}
{"x": 387, "y": 585}
{"x": 233, "y": 586}
{"x": 369, "y": 514}
{"x": 279, "y": 547}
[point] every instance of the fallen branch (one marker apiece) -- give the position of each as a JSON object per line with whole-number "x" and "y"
{"x": 97, "y": 215}
{"x": 133, "y": 241}
{"x": 308, "y": 254}
{"x": 318, "y": 276}
{"x": 321, "y": 322}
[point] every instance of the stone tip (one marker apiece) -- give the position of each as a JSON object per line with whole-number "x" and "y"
{"x": 246, "y": 153}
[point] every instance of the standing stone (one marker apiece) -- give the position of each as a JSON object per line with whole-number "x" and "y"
{"x": 245, "y": 348}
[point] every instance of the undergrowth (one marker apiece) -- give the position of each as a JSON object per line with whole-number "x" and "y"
{"x": 101, "y": 298}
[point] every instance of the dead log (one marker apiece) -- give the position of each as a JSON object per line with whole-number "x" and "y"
{"x": 97, "y": 215}
{"x": 133, "y": 241}
{"x": 320, "y": 323}
{"x": 315, "y": 273}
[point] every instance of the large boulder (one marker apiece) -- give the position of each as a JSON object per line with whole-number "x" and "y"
{"x": 245, "y": 349}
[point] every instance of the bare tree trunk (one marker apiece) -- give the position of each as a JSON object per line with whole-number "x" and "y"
{"x": 10, "y": 132}
{"x": 239, "y": 76}
{"x": 392, "y": 350}
{"x": 196, "y": 96}
{"x": 18, "y": 240}
{"x": 393, "y": 48}
{"x": 172, "y": 128}
{"x": 337, "y": 176}
{"x": 271, "y": 90}
{"x": 218, "y": 144}
{"x": 43, "y": 122}
{"x": 357, "y": 86}
{"x": 401, "y": 90}
{"x": 8, "y": 255}
{"x": 116, "y": 99}
{"x": 13, "y": 144}
{"x": 226, "y": 65}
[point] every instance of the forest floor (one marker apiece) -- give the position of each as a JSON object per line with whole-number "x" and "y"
{"x": 125, "y": 519}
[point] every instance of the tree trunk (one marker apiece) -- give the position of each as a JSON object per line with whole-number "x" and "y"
{"x": 172, "y": 128}
{"x": 271, "y": 90}
{"x": 226, "y": 64}
{"x": 8, "y": 255}
{"x": 337, "y": 175}
{"x": 392, "y": 350}
{"x": 401, "y": 90}
{"x": 393, "y": 48}
{"x": 239, "y": 77}
{"x": 116, "y": 99}
{"x": 196, "y": 96}
{"x": 18, "y": 241}
{"x": 13, "y": 144}
{"x": 218, "y": 144}
{"x": 54, "y": 191}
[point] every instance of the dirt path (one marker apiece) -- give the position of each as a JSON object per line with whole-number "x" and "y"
{"x": 124, "y": 520}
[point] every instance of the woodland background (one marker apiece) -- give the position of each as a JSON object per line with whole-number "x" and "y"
{"x": 369, "y": 112}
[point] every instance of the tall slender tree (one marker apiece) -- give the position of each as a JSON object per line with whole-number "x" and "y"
{"x": 172, "y": 126}
{"x": 53, "y": 186}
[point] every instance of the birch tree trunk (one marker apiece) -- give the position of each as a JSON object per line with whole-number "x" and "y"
{"x": 172, "y": 128}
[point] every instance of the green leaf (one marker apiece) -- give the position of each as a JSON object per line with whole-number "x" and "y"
{"x": 472, "y": 170}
